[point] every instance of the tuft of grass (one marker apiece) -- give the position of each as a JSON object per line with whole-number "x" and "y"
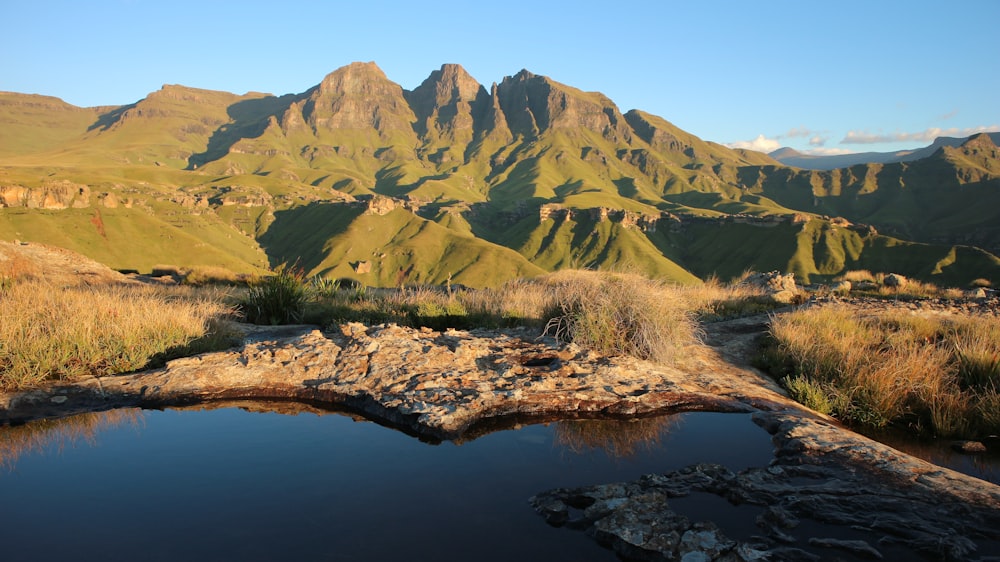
{"x": 857, "y": 276}
{"x": 615, "y": 313}
{"x": 806, "y": 391}
{"x": 211, "y": 275}
{"x": 713, "y": 300}
{"x": 280, "y": 298}
{"x": 878, "y": 369}
{"x": 47, "y": 333}
{"x": 987, "y": 406}
{"x": 976, "y": 345}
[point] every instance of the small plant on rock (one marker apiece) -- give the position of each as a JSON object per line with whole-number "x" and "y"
{"x": 280, "y": 298}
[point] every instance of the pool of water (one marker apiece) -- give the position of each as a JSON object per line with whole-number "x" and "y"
{"x": 230, "y": 484}
{"x": 985, "y": 466}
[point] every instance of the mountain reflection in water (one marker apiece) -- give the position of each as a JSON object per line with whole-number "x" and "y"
{"x": 233, "y": 484}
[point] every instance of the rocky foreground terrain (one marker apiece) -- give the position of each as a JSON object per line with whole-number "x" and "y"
{"x": 823, "y": 484}
{"x": 828, "y": 493}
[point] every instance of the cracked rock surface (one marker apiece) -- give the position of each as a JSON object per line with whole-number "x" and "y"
{"x": 434, "y": 384}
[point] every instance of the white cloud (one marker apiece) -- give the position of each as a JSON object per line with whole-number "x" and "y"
{"x": 817, "y": 141}
{"x": 948, "y": 115}
{"x": 928, "y": 135}
{"x": 760, "y": 144}
{"x": 797, "y": 132}
{"x": 826, "y": 151}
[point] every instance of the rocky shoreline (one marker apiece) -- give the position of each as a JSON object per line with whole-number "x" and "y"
{"x": 444, "y": 385}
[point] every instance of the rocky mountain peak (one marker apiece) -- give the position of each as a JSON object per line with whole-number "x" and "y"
{"x": 447, "y": 101}
{"x": 352, "y": 78}
{"x": 982, "y": 141}
{"x": 358, "y": 96}
{"x": 535, "y": 103}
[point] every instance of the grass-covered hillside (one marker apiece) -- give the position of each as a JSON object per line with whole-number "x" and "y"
{"x": 357, "y": 177}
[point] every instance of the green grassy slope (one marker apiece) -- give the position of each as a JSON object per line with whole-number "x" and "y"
{"x": 136, "y": 239}
{"x": 398, "y": 248}
{"x": 33, "y": 123}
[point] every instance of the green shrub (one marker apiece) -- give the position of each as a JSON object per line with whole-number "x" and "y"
{"x": 805, "y": 391}
{"x": 280, "y": 298}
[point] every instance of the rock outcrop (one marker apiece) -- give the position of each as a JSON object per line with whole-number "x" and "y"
{"x": 780, "y": 287}
{"x": 436, "y": 384}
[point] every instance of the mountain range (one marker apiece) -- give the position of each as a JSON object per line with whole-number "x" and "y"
{"x": 792, "y": 157}
{"x": 453, "y": 181}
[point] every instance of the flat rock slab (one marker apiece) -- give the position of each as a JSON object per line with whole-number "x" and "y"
{"x": 439, "y": 385}
{"x": 435, "y": 384}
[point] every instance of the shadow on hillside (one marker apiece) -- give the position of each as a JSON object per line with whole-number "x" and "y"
{"x": 106, "y": 120}
{"x": 249, "y": 119}
{"x": 300, "y": 235}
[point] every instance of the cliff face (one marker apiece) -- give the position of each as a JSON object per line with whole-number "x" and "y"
{"x": 53, "y": 196}
{"x": 358, "y": 96}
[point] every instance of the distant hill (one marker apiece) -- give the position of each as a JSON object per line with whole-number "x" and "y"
{"x": 358, "y": 177}
{"x": 792, "y": 157}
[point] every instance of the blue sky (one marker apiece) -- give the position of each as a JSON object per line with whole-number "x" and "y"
{"x": 833, "y": 76}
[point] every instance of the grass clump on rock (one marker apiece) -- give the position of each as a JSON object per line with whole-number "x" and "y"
{"x": 939, "y": 374}
{"x": 615, "y": 313}
{"x": 280, "y": 298}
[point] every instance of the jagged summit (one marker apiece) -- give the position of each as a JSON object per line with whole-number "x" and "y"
{"x": 982, "y": 141}
{"x": 358, "y": 96}
{"x": 448, "y": 102}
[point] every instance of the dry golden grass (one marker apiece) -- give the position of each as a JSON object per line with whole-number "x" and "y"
{"x": 50, "y": 332}
{"x": 621, "y": 313}
{"x": 212, "y": 275}
{"x": 613, "y": 313}
{"x": 875, "y": 369}
{"x": 857, "y": 276}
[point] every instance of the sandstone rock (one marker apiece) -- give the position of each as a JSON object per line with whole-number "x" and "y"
{"x": 859, "y": 548}
{"x": 841, "y": 287}
{"x": 780, "y": 287}
{"x": 773, "y": 281}
{"x": 362, "y": 267}
{"x": 978, "y": 293}
{"x": 894, "y": 280}
{"x": 381, "y": 206}
{"x": 969, "y": 447}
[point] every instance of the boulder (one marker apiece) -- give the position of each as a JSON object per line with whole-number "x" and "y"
{"x": 779, "y": 286}
{"x": 842, "y": 287}
{"x": 894, "y": 280}
{"x": 969, "y": 447}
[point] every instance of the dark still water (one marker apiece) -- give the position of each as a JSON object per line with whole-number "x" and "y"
{"x": 230, "y": 484}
